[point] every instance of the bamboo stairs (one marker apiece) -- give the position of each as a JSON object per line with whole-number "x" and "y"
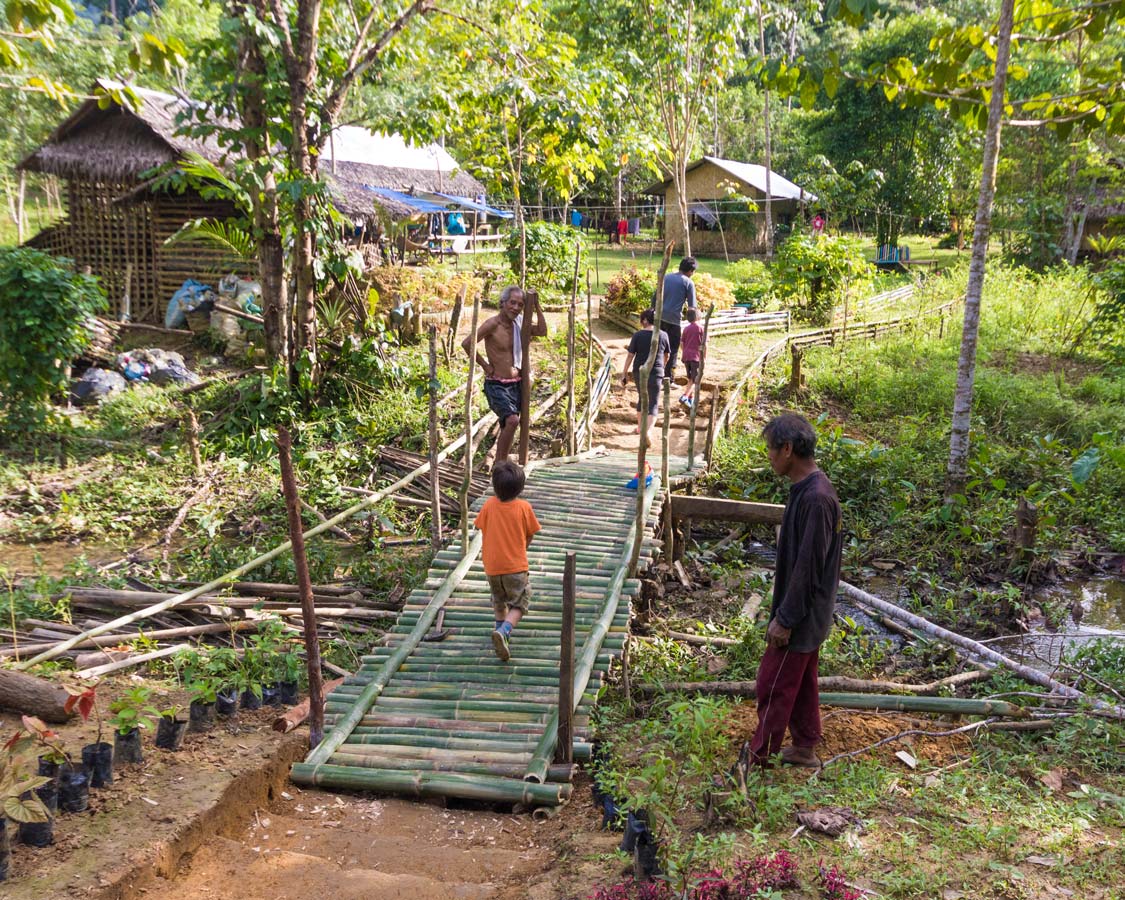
{"x": 448, "y": 718}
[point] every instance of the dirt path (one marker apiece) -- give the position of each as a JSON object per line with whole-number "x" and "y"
{"x": 616, "y": 427}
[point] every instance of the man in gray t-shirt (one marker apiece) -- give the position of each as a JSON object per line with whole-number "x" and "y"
{"x": 679, "y": 290}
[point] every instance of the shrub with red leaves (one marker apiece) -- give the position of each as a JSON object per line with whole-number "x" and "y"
{"x": 750, "y": 878}
{"x": 834, "y": 885}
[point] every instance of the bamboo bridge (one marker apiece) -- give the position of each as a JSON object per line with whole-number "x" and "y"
{"x": 449, "y": 718}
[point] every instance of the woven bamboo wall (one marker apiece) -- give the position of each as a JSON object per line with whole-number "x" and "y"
{"x": 115, "y": 238}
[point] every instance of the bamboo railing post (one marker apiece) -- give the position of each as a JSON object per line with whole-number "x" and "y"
{"x": 643, "y": 405}
{"x": 571, "y": 362}
{"x": 304, "y": 584}
{"x": 698, "y": 387}
{"x": 468, "y": 466}
{"x": 564, "y": 749}
{"x": 589, "y": 363}
{"x": 435, "y": 481}
{"x": 666, "y": 509}
{"x": 530, "y": 305}
{"x": 191, "y": 432}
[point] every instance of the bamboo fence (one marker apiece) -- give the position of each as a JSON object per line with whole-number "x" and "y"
{"x": 449, "y": 718}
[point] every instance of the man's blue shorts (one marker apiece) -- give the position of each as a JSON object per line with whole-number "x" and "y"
{"x": 503, "y": 398}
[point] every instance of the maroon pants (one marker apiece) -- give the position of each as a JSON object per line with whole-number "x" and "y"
{"x": 787, "y": 698}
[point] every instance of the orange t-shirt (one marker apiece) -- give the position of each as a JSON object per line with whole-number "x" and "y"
{"x": 507, "y": 527}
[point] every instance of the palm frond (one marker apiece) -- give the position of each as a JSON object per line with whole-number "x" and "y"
{"x": 233, "y": 238}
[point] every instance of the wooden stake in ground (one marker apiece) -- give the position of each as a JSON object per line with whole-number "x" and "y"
{"x": 530, "y": 304}
{"x": 642, "y": 391}
{"x": 468, "y": 479}
{"x": 666, "y": 506}
{"x": 191, "y": 432}
{"x": 304, "y": 585}
{"x": 435, "y": 481}
{"x": 698, "y": 388}
{"x": 564, "y": 749}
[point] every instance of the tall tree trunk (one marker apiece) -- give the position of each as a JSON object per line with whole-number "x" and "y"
{"x": 956, "y": 471}
{"x": 680, "y": 179}
{"x": 766, "y": 122}
{"x": 302, "y": 68}
{"x": 267, "y": 222}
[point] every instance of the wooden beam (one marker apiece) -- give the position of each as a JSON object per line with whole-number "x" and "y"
{"x": 717, "y": 509}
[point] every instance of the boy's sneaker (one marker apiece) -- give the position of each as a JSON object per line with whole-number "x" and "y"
{"x": 634, "y": 481}
{"x": 685, "y": 400}
{"x": 500, "y": 644}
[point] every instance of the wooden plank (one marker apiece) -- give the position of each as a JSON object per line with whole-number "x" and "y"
{"x": 717, "y": 509}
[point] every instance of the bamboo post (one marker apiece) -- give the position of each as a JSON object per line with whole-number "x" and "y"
{"x": 564, "y": 750}
{"x": 191, "y": 431}
{"x": 435, "y": 481}
{"x": 695, "y": 393}
{"x": 467, "y": 480}
{"x": 666, "y": 509}
{"x": 589, "y": 363}
{"x": 571, "y": 324}
{"x": 642, "y": 391}
{"x": 531, "y": 304}
{"x": 304, "y": 584}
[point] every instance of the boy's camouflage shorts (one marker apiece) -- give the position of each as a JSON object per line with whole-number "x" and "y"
{"x": 509, "y": 592}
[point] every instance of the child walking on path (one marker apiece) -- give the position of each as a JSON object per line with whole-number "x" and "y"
{"x": 508, "y": 524}
{"x": 639, "y": 346}
{"x": 691, "y": 343}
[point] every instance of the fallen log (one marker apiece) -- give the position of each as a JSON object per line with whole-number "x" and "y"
{"x": 703, "y": 639}
{"x": 825, "y": 682}
{"x": 33, "y": 696}
{"x": 295, "y": 716}
{"x": 112, "y": 640}
{"x": 973, "y": 649}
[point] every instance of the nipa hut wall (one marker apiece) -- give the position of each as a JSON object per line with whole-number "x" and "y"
{"x": 117, "y": 240}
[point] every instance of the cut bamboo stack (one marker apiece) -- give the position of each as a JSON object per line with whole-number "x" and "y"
{"x": 449, "y": 718}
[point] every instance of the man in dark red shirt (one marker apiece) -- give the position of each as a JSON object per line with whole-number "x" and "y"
{"x": 804, "y": 597}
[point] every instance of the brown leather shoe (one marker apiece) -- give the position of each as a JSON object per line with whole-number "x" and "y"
{"x": 800, "y": 756}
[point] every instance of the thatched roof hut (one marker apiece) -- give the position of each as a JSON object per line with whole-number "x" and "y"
{"x": 117, "y": 224}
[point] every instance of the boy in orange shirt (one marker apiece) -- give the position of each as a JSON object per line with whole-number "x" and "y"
{"x": 508, "y": 525}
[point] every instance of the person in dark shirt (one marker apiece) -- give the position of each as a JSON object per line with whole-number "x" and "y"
{"x": 639, "y": 346}
{"x": 804, "y": 597}
{"x": 679, "y": 291}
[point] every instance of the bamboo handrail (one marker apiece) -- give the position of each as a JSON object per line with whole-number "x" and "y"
{"x": 698, "y": 385}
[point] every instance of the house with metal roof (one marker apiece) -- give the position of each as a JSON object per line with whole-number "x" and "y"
{"x": 726, "y": 205}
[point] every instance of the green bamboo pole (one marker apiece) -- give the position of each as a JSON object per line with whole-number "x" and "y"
{"x": 433, "y": 784}
{"x": 237, "y": 573}
{"x": 591, "y": 647}
{"x": 557, "y": 774}
{"x": 698, "y": 387}
{"x": 937, "y": 705}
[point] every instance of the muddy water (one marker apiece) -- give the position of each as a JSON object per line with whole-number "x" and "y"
{"x": 54, "y": 558}
{"x": 1093, "y": 609}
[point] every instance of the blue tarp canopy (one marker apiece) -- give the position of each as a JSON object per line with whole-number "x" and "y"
{"x": 415, "y": 203}
{"x": 472, "y": 204}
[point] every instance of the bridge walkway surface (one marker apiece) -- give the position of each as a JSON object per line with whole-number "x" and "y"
{"x": 449, "y": 718}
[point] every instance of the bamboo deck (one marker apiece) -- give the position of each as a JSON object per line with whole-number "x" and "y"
{"x": 449, "y": 718}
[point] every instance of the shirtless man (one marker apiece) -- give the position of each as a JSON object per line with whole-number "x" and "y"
{"x": 502, "y": 368}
